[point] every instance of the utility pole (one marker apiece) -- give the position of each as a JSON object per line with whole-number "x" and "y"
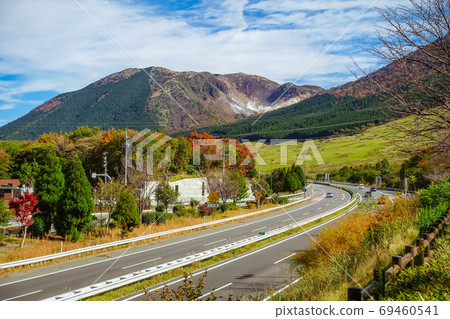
{"x": 105, "y": 164}
{"x": 126, "y": 156}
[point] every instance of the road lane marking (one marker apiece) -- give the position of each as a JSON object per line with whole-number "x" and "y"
{"x": 278, "y": 261}
{"x": 284, "y": 288}
{"x": 144, "y": 262}
{"x": 259, "y": 228}
{"x": 319, "y": 208}
{"x": 214, "y": 242}
{"x": 27, "y": 294}
{"x": 287, "y": 220}
{"x": 306, "y": 213}
{"x": 215, "y": 290}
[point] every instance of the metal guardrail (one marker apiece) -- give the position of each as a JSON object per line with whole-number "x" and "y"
{"x": 136, "y": 239}
{"x": 127, "y": 279}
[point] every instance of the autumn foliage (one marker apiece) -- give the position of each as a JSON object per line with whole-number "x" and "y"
{"x": 24, "y": 208}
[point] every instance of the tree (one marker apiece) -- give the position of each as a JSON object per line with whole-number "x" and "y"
{"x": 165, "y": 194}
{"x": 243, "y": 187}
{"x": 49, "y": 185}
{"x": 24, "y": 208}
{"x": 75, "y": 207}
{"x": 5, "y": 216}
{"x": 416, "y": 43}
{"x": 126, "y": 213}
{"x": 106, "y": 196}
{"x": 28, "y": 172}
{"x": 226, "y": 185}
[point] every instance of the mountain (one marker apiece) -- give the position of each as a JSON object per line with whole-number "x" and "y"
{"x": 157, "y": 98}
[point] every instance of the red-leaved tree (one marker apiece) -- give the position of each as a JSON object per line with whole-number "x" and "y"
{"x": 24, "y": 208}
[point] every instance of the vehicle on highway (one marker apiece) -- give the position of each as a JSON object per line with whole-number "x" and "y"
{"x": 368, "y": 194}
{"x": 361, "y": 186}
{"x": 330, "y": 195}
{"x": 373, "y": 189}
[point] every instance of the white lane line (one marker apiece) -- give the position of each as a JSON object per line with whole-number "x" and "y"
{"x": 319, "y": 208}
{"x": 327, "y": 204}
{"x": 214, "y": 242}
{"x": 306, "y": 213}
{"x": 144, "y": 262}
{"x": 215, "y": 290}
{"x": 287, "y": 257}
{"x": 259, "y": 228}
{"x": 30, "y": 293}
{"x": 284, "y": 288}
{"x": 287, "y": 220}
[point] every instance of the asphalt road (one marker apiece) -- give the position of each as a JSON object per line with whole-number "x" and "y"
{"x": 254, "y": 274}
{"x": 56, "y": 279}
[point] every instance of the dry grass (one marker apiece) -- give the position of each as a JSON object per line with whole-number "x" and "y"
{"x": 359, "y": 244}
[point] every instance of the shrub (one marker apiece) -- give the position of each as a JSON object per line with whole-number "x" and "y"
{"x": 179, "y": 210}
{"x": 161, "y": 218}
{"x": 280, "y": 200}
{"x": 38, "y": 228}
{"x": 194, "y": 203}
{"x": 435, "y": 194}
{"x": 148, "y": 218}
{"x": 160, "y": 208}
{"x": 192, "y": 212}
{"x": 224, "y": 207}
{"x": 205, "y": 210}
{"x": 126, "y": 214}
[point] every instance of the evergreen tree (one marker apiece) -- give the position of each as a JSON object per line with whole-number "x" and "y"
{"x": 75, "y": 206}
{"x": 126, "y": 214}
{"x": 166, "y": 194}
{"x": 49, "y": 185}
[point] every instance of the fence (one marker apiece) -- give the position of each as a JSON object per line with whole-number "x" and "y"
{"x": 413, "y": 256}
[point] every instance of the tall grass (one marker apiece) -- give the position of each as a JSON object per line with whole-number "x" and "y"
{"x": 347, "y": 253}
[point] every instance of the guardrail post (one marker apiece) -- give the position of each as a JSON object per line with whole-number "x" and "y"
{"x": 409, "y": 249}
{"x": 421, "y": 253}
{"x": 354, "y": 294}
{"x": 397, "y": 260}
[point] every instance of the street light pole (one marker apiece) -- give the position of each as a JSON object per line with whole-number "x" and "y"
{"x": 126, "y": 156}
{"x": 271, "y": 161}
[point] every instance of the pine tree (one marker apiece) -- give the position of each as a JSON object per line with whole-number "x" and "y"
{"x": 126, "y": 214}
{"x": 49, "y": 185}
{"x": 75, "y": 206}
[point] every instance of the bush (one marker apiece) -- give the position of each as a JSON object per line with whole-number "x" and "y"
{"x": 112, "y": 224}
{"x": 38, "y": 227}
{"x": 194, "y": 203}
{"x": 191, "y": 212}
{"x": 280, "y": 200}
{"x": 126, "y": 214}
{"x": 161, "y": 218}
{"x": 224, "y": 207}
{"x": 205, "y": 210}
{"x": 148, "y": 218}
{"x": 179, "y": 210}
{"x": 435, "y": 194}
{"x": 160, "y": 208}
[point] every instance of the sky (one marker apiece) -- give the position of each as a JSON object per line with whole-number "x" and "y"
{"x": 50, "y": 47}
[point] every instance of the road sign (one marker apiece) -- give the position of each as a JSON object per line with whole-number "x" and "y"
{"x": 213, "y": 197}
{"x": 213, "y": 205}
{"x": 304, "y": 190}
{"x": 258, "y": 194}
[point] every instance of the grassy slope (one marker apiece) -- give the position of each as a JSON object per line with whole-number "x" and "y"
{"x": 376, "y": 143}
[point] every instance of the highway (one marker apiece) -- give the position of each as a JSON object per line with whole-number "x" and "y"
{"x": 252, "y": 274}
{"x": 56, "y": 279}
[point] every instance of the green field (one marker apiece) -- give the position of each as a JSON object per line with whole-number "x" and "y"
{"x": 368, "y": 147}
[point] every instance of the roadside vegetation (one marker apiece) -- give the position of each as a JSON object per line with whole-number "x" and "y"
{"x": 345, "y": 255}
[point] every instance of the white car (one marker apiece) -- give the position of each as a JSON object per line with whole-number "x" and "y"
{"x": 329, "y": 195}
{"x": 361, "y": 186}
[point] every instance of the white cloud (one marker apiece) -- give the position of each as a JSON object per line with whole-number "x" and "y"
{"x": 6, "y": 107}
{"x": 56, "y": 46}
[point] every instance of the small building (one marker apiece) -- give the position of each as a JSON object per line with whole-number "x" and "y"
{"x": 9, "y": 188}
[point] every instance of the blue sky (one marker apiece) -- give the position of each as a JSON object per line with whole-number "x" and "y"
{"x": 52, "y": 46}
